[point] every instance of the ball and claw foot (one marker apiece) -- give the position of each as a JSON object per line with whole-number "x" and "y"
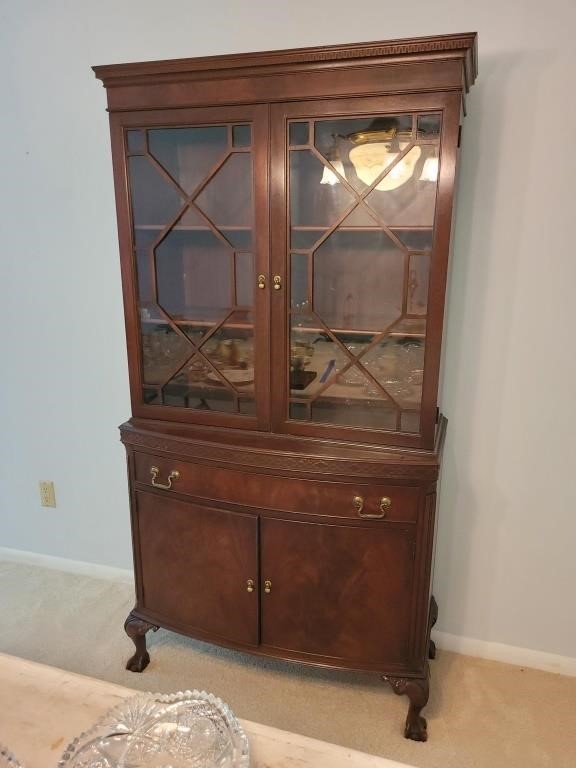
{"x": 138, "y": 662}
{"x": 432, "y": 650}
{"x": 417, "y": 690}
{"x": 136, "y": 629}
{"x": 415, "y": 728}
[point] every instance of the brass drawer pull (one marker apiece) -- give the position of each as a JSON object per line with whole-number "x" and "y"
{"x": 250, "y": 585}
{"x": 267, "y": 586}
{"x": 385, "y": 504}
{"x": 154, "y": 472}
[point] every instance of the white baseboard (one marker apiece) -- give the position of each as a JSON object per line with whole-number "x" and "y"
{"x": 509, "y": 654}
{"x": 469, "y": 646}
{"x": 124, "y": 575}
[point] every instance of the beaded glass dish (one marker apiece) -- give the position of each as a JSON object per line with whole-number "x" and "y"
{"x": 190, "y": 729}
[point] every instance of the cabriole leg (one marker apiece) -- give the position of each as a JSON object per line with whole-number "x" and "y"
{"x": 417, "y": 690}
{"x": 136, "y": 629}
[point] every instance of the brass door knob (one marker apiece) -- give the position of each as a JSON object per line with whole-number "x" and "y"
{"x": 277, "y": 280}
{"x": 250, "y": 585}
{"x": 261, "y": 281}
{"x": 154, "y": 472}
{"x": 267, "y": 586}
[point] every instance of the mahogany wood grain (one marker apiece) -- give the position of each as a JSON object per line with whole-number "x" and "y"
{"x": 254, "y": 490}
{"x": 196, "y": 563}
{"x": 337, "y": 591}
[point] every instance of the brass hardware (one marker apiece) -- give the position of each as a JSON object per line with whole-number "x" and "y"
{"x": 277, "y": 282}
{"x": 154, "y": 472}
{"x": 250, "y": 585}
{"x": 385, "y": 503}
{"x": 261, "y": 281}
{"x": 267, "y": 586}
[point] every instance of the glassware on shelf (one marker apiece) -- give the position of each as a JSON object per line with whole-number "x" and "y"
{"x": 193, "y": 729}
{"x": 353, "y": 376}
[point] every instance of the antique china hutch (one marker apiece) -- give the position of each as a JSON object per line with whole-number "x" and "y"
{"x": 284, "y": 222}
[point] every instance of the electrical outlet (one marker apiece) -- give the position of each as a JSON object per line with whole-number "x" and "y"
{"x": 47, "y": 494}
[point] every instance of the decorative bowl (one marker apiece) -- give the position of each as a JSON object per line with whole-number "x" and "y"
{"x": 190, "y": 729}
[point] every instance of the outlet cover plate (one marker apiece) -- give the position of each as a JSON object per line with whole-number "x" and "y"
{"x": 47, "y": 494}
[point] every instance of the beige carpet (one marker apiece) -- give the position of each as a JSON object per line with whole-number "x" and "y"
{"x": 481, "y": 714}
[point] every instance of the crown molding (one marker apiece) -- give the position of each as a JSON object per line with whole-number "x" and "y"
{"x": 457, "y": 46}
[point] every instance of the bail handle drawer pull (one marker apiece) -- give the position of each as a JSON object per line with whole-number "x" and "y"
{"x": 154, "y": 472}
{"x": 385, "y": 504}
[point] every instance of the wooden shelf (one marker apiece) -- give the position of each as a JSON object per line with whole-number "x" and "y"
{"x": 240, "y": 228}
{"x": 318, "y": 331}
{"x": 190, "y": 228}
{"x": 363, "y": 228}
{"x": 194, "y": 323}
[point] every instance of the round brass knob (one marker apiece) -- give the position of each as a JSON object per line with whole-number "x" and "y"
{"x": 267, "y": 586}
{"x": 277, "y": 282}
{"x": 250, "y": 585}
{"x": 261, "y": 281}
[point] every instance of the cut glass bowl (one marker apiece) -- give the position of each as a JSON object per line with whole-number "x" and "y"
{"x": 193, "y": 729}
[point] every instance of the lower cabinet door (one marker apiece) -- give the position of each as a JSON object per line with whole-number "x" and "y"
{"x": 337, "y": 591}
{"x": 194, "y": 567}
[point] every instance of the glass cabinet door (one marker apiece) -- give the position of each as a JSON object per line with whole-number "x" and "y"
{"x": 361, "y": 195}
{"x": 192, "y": 208}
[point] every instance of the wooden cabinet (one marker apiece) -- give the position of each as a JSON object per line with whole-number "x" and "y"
{"x": 195, "y": 565}
{"x": 284, "y": 225}
{"x": 337, "y": 593}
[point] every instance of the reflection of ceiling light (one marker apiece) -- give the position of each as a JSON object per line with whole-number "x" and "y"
{"x": 430, "y": 170}
{"x": 329, "y": 177}
{"x": 371, "y": 159}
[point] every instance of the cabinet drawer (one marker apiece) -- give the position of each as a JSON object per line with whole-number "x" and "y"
{"x": 313, "y": 497}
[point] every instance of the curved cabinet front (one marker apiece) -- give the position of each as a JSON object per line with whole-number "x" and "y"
{"x": 326, "y": 592}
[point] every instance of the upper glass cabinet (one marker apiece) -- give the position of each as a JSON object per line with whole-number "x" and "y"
{"x": 297, "y": 300}
{"x": 192, "y": 208}
{"x": 362, "y": 194}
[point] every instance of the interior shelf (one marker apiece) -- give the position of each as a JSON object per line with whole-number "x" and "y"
{"x": 240, "y": 228}
{"x": 191, "y": 227}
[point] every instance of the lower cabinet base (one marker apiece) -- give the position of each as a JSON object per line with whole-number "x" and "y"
{"x": 415, "y": 688}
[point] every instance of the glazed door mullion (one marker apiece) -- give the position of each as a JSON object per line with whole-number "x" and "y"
{"x": 192, "y": 202}
{"x": 361, "y": 216}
